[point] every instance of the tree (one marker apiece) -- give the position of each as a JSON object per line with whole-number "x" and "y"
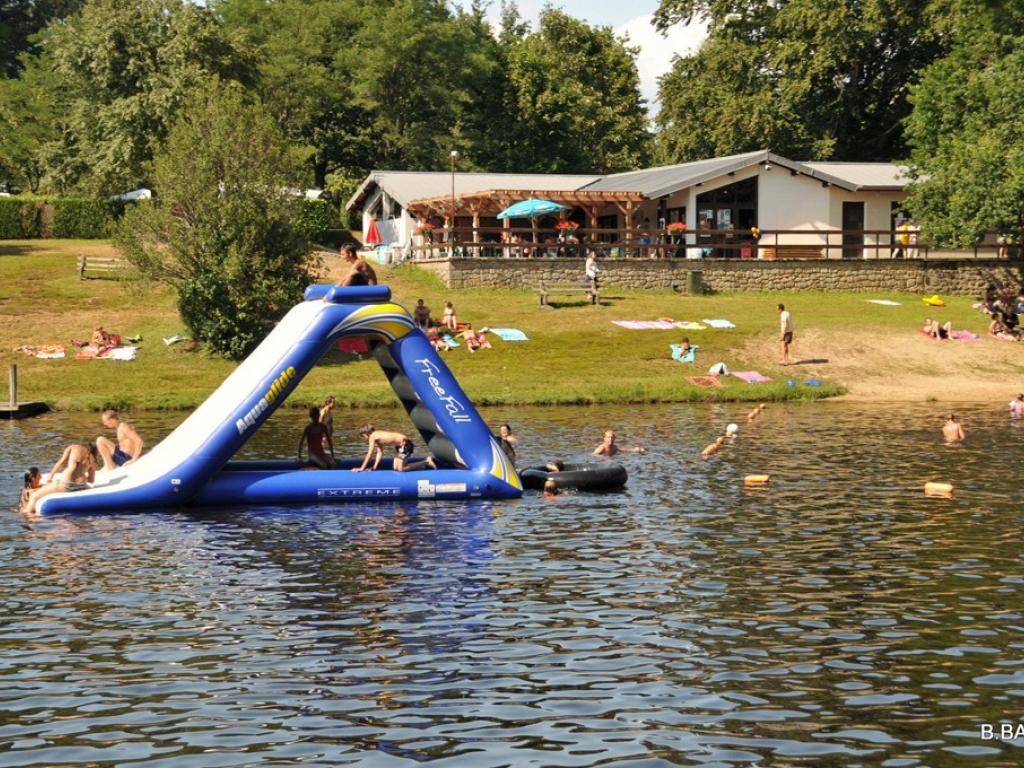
{"x": 124, "y": 69}
{"x": 222, "y": 231}
{"x": 576, "y": 99}
{"x": 305, "y": 75}
{"x": 808, "y": 79}
{"x": 965, "y": 131}
{"x": 28, "y": 120}
{"x": 20, "y": 22}
{"x": 411, "y": 66}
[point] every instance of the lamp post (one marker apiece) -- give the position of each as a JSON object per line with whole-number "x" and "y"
{"x": 454, "y": 157}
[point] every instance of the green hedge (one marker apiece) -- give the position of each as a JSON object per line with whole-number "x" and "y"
{"x": 82, "y": 218}
{"x": 315, "y": 217}
{"x": 20, "y": 218}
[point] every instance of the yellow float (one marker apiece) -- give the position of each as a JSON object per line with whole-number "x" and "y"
{"x": 938, "y": 489}
{"x": 756, "y": 481}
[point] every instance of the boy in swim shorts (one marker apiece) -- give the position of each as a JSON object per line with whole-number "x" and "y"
{"x": 128, "y": 447}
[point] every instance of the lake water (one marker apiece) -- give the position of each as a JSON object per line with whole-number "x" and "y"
{"x": 837, "y": 618}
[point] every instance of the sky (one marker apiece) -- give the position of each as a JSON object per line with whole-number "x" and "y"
{"x": 629, "y": 17}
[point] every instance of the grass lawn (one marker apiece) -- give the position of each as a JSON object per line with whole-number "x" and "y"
{"x": 575, "y": 354}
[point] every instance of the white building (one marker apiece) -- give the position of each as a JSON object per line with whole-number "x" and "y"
{"x": 801, "y": 205}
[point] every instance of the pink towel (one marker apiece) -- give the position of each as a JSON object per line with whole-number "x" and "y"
{"x": 751, "y": 377}
{"x": 964, "y": 336}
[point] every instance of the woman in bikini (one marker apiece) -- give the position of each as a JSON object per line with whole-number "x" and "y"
{"x": 448, "y": 319}
{"x": 79, "y": 464}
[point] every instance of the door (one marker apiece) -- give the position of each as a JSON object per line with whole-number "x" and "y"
{"x": 853, "y": 230}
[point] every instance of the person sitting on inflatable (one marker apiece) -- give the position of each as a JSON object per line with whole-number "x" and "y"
{"x": 317, "y": 437}
{"x": 378, "y": 439}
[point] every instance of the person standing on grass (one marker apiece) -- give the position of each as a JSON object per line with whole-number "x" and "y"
{"x": 590, "y": 271}
{"x": 785, "y": 332}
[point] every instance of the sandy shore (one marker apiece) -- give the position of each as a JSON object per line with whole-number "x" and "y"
{"x": 906, "y": 366}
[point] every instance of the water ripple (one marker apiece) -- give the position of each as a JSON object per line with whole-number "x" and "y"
{"x": 837, "y": 617}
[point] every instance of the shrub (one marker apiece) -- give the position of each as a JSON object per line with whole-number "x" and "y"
{"x": 222, "y": 232}
{"x": 10, "y": 218}
{"x": 19, "y": 218}
{"x": 314, "y": 217}
{"x": 81, "y": 217}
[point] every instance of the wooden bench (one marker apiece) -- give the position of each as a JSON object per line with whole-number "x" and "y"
{"x": 792, "y": 252}
{"x": 567, "y": 289}
{"x": 100, "y": 266}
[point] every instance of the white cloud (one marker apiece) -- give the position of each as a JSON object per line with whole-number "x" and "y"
{"x": 657, "y": 50}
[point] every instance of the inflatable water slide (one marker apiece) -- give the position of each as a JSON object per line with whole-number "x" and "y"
{"x": 193, "y": 467}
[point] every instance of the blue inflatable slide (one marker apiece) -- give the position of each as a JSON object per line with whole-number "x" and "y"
{"x": 192, "y": 466}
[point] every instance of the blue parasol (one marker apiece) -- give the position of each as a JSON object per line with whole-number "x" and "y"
{"x": 528, "y": 209}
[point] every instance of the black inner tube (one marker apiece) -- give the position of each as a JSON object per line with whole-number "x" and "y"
{"x": 582, "y": 477}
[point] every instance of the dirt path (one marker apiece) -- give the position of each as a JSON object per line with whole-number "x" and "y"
{"x": 905, "y": 367}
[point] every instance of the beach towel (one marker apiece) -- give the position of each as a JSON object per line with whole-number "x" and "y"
{"x": 751, "y": 377}
{"x": 175, "y": 339}
{"x": 509, "y": 334}
{"x": 43, "y": 352}
{"x": 123, "y": 353}
{"x": 356, "y": 346}
{"x": 689, "y": 357}
{"x": 707, "y": 382}
{"x": 718, "y": 323}
{"x": 645, "y": 325}
{"x": 954, "y": 335}
{"x": 812, "y": 382}
{"x": 964, "y": 336}
{"x": 688, "y": 325}
{"x": 50, "y": 352}
{"x": 883, "y": 302}
{"x": 451, "y": 340}
{"x": 934, "y": 300}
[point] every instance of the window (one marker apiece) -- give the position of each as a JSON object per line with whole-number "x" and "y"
{"x": 675, "y": 215}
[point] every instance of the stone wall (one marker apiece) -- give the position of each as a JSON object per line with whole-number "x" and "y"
{"x": 953, "y": 277}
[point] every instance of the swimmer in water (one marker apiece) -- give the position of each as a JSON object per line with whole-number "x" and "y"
{"x": 712, "y": 449}
{"x": 952, "y": 432}
{"x": 1017, "y": 405}
{"x": 609, "y": 447}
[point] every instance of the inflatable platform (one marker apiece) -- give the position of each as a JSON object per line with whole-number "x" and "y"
{"x": 192, "y": 466}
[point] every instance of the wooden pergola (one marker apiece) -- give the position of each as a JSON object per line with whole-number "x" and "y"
{"x": 491, "y": 202}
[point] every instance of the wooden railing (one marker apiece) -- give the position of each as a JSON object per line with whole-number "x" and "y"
{"x": 497, "y": 242}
